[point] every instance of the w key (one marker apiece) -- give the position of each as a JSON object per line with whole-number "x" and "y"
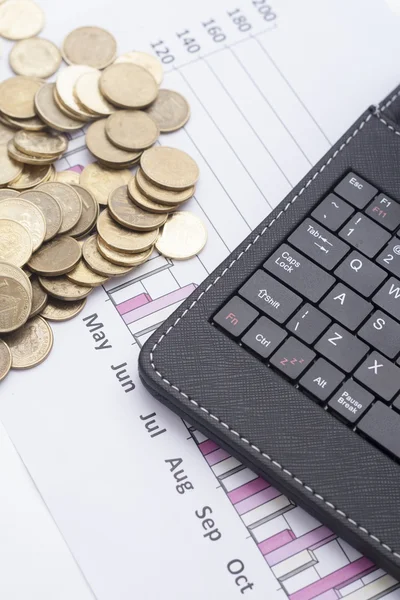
{"x": 319, "y": 244}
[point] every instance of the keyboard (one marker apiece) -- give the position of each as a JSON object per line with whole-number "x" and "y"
{"x": 323, "y": 310}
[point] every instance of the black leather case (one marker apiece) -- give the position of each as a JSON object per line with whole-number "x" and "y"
{"x": 253, "y": 412}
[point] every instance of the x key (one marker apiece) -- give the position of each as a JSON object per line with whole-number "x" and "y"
{"x": 379, "y": 375}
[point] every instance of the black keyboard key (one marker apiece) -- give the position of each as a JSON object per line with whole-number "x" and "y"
{"x": 388, "y": 298}
{"x": 332, "y": 212}
{"x": 319, "y": 244}
{"x": 308, "y": 323}
{"x": 292, "y": 358}
{"x": 345, "y": 306}
{"x": 379, "y": 375}
{"x": 364, "y": 234}
{"x": 322, "y": 379}
{"x": 299, "y": 273}
{"x": 396, "y": 404}
{"x": 351, "y": 401}
{"x": 360, "y": 274}
{"x": 382, "y": 333}
{"x": 356, "y": 190}
{"x": 270, "y": 296}
{"x": 235, "y": 316}
{"x": 342, "y": 348}
{"x": 264, "y": 337}
{"x": 385, "y": 211}
{"x": 382, "y": 425}
{"x": 390, "y": 257}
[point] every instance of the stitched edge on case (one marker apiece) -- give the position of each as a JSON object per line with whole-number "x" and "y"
{"x": 389, "y": 102}
{"x": 185, "y": 312}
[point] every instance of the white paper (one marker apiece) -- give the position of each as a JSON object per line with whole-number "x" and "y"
{"x": 131, "y": 500}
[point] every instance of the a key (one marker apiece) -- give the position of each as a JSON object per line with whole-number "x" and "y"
{"x": 351, "y": 401}
{"x": 364, "y": 234}
{"x": 345, "y": 306}
{"x": 341, "y": 347}
{"x": 360, "y": 274}
{"x": 382, "y": 333}
{"x": 356, "y": 190}
{"x": 319, "y": 244}
{"x": 332, "y": 212}
{"x": 264, "y": 337}
{"x": 299, "y": 273}
{"x": 388, "y": 298}
{"x": 382, "y": 425}
{"x": 270, "y": 296}
{"x": 235, "y": 316}
{"x": 380, "y": 376}
{"x": 389, "y": 258}
{"x": 385, "y": 211}
{"x": 322, "y": 379}
{"x": 308, "y": 323}
{"x": 292, "y": 358}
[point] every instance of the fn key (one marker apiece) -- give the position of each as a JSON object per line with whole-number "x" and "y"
{"x": 235, "y": 316}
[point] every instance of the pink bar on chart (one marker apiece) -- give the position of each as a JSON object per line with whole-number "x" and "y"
{"x": 345, "y": 575}
{"x": 158, "y": 304}
{"x": 256, "y": 500}
{"x": 215, "y": 457}
{"x": 301, "y": 543}
{"x": 207, "y": 446}
{"x": 76, "y": 169}
{"x": 133, "y": 303}
{"x": 329, "y": 595}
{"x": 276, "y": 541}
{"x": 248, "y": 489}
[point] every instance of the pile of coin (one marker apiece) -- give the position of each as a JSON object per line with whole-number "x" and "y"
{"x": 62, "y": 234}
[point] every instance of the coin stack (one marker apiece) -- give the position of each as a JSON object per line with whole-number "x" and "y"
{"x": 62, "y": 234}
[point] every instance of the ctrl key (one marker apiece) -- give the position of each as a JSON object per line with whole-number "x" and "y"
{"x": 235, "y": 316}
{"x": 351, "y": 401}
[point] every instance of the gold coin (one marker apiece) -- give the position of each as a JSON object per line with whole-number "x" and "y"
{"x": 169, "y": 167}
{"x": 52, "y": 174}
{"x": 56, "y": 257}
{"x": 141, "y": 200}
{"x": 26, "y": 159}
{"x": 128, "y": 85}
{"x": 89, "y": 95}
{"x": 183, "y": 236}
{"x": 59, "y": 310}
{"x": 90, "y": 212}
{"x": 28, "y": 215}
{"x": 9, "y": 270}
{"x": 71, "y": 177}
{"x": 6, "y": 134}
{"x": 15, "y": 303}
{"x": 15, "y": 243}
{"x": 17, "y": 96}
{"x": 91, "y": 46}
{"x": 147, "y": 61}
{"x": 39, "y": 298}
{"x": 7, "y": 193}
{"x": 63, "y": 289}
{"x": 40, "y": 143}
{"x": 50, "y": 208}
{"x": 131, "y": 216}
{"x": 65, "y": 86}
{"x": 9, "y": 168}
{"x": 122, "y": 239}
{"x": 50, "y": 113}
{"x": 82, "y": 117}
{"x": 119, "y": 166}
{"x": 101, "y": 181}
{"x": 100, "y": 146}
{"x": 33, "y": 124}
{"x": 35, "y": 57}
{"x": 69, "y": 201}
{"x": 122, "y": 258}
{"x": 132, "y": 130}
{"x": 98, "y": 263}
{"x": 31, "y": 344}
{"x": 30, "y": 177}
{"x": 170, "y": 111}
{"x": 5, "y": 360}
{"x": 83, "y": 275}
{"x": 171, "y": 198}
{"x": 20, "y": 19}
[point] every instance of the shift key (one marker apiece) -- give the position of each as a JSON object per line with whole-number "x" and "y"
{"x": 299, "y": 273}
